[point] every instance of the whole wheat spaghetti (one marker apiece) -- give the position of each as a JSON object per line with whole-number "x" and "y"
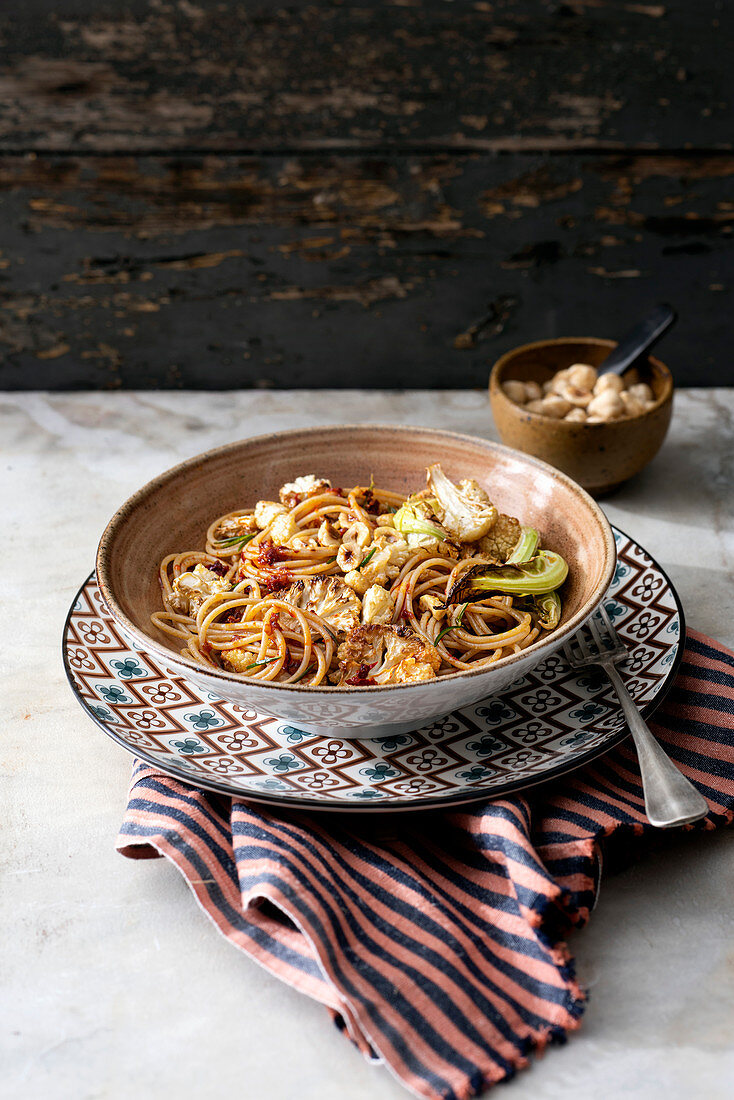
{"x": 364, "y": 587}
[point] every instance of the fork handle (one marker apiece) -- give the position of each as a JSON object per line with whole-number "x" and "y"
{"x": 670, "y": 798}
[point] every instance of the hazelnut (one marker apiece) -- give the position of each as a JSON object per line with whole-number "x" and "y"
{"x": 582, "y": 376}
{"x": 608, "y": 382}
{"x": 554, "y": 405}
{"x": 642, "y": 392}
{"x": 576, "y": 416}
{"x": 559, "y": 379}
{"x": 574, "y": 396}
{"x": 606, "y": 405}
{"x": 632, "y": 406}
{"x": 533, "y": 391}
{"x": 535, "y": 407}
{"x": 515, "y": 391}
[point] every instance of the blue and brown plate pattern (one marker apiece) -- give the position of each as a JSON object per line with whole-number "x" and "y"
{"x": 545, "y": 724}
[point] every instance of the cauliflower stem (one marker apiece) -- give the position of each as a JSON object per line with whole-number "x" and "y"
{"x": 525, "y": 547}
{"x": 543, "y": 573}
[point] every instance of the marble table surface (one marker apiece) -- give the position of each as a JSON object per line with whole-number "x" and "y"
{"x": 113, "y": 983}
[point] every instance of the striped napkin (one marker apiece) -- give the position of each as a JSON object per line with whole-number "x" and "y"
{"x": 436, "y": 940}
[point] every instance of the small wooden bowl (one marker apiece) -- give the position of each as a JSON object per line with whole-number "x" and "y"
{"x": 598, "y": 456}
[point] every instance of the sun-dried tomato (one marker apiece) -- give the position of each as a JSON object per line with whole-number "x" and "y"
{"x": 272, "y": 624}
{"x": 234, "y": 615}
{"x": 361, "y": 677}
{"x": 268, "y": 554}
{"x": 369, "y": 503}
{"x": 218, "y": 567}
{"x": 279, "y": 578}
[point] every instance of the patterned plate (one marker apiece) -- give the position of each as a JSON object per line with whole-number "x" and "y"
{"x": 549, "y": 722}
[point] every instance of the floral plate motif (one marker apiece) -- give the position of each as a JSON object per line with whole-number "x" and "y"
{"x": 548, "y": 722}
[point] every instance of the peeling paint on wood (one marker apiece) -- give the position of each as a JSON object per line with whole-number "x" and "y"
{"x": 245, "y": 271}
{"x": 207, "y": 193}
{"x": 515, "y": 75}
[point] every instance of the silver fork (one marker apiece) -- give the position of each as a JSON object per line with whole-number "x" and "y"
{"x": 670, "y": 799}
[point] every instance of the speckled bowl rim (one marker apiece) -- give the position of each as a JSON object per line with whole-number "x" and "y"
{"x": 497, "y": 393}
{"x": 552, "y": 641}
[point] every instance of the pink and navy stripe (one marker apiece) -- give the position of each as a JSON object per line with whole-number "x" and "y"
{"x": 436, "y": 939}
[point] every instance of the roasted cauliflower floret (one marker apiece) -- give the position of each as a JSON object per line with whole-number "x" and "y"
{"x": 239, "y": 660}
{"x": 399, "y": 547}
{"x": 293, "y": 492}
{"x": 464, "y": 510}
{"x": 419, "y": 525}
{"x": 374, "y": 571}
{"x": 191, "y": 589}
{"x": 380, "y": 561}
{"x": 236, "y": 525}
{"x": 434, "y": 605}
{"x": 376, "y": 654}
{"x": 377, "y": 605}
{"x": 329, "y": 598}
{"x": 501, "y": 540}
{"x": 281, "y": 524}
{"x": 282, "y": 528}
{"x": 266, "y": 511}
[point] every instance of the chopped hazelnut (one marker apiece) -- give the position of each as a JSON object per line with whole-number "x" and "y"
{"x": 642, "y": 392}
{"x": 554, "y": 405}
{"x": 632, "y": 406}
{"x": 578, "y": 394}
{"x": 515, "y": 391}
{"x": 606, "y": 405}
{"x": 608, "y": 382}
{"x": 533, "y": 391}
{"x": 582, "y": 376}
{"x": 574, "y": 396}
{"x": 559, "y": 380}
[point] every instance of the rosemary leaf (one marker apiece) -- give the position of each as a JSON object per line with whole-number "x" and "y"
{"x": 447, "y": 629}
{"x": 372, "y": 551}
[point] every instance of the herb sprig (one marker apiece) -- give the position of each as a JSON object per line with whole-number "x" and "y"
{"x": 372, "y": 551}
{"x": 237, "y": 542}
{"x": 447, "y": 629}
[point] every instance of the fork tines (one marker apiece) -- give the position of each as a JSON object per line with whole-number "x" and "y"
{"x": 597, "y": 638}
{"x": 608, "y": 642}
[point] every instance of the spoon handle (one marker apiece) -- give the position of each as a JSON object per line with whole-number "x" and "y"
{"x": 638, "y": 340}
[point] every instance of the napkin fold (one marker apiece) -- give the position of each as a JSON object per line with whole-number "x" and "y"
{"x": 436, "y": 940}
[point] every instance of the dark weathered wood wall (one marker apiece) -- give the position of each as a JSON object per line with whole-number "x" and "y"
{"x": 216, "y": 194}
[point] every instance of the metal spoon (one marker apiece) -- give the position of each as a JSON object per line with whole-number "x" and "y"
{"x": 638, "y": 340}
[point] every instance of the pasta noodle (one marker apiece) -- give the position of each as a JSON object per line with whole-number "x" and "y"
{"x": 324, "y": 588}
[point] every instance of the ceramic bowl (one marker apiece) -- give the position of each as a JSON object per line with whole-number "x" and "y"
{"x": 173, "y": 510}
{"x": 598, "y": 456}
